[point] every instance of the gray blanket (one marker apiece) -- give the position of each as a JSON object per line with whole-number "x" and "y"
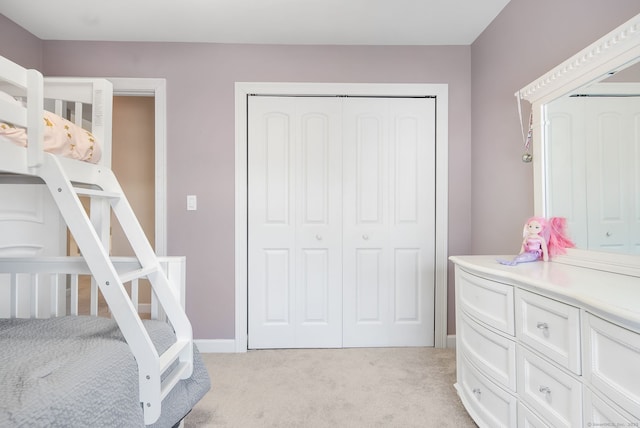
{"x": 77, "y": 371}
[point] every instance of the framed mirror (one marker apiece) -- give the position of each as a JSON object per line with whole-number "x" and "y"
{"x": 586, "y": 149}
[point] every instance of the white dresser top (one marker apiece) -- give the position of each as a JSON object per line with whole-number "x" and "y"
{"x": 611, "y": 296}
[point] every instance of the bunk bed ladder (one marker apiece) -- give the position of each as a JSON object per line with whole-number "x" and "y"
{"x": 157, "y": 373}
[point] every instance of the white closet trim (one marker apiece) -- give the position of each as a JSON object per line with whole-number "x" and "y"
{"x": 244, "y": 89}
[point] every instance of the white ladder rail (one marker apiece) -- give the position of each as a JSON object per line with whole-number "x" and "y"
{"x": 149, "y": 262}
{"x": 109, "y": 281}
{"x": 182, "y": 349}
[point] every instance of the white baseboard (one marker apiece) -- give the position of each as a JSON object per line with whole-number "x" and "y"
{"x": 451, "y": 341}
{"x": 211, "y": 346}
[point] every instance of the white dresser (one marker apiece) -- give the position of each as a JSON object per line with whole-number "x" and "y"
{"x": 546, "y": 344}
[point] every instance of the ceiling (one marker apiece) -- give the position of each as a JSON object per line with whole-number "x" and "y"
{"x": 342, "y": 22}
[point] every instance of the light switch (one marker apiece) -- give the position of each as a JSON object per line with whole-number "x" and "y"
{"x": 192, "y": 203}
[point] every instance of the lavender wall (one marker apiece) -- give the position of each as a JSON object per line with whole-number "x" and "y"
{"x": 19, "y": 45}
{"x": 200, "y": 92}
{"x": 525, "y": 41}
{"x": 490, "y": 189}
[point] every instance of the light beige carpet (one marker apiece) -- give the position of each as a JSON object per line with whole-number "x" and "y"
{"x": 366, "y": 387}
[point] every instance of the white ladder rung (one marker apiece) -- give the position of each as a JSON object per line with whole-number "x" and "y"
{"x": 170, "y": 355}
{"x": 83, "y": 191}
{"x": 138, "y": 273}
{"x": 173, "y": 378}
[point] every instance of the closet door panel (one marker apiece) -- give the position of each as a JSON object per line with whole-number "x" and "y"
{"x": 294, "y": 177}
{"x": 313, "y": 305}
{"x": 365, "y": 269}
{"x": 406, "y": 282}
{"x": 276, "y": 286}
{"x": 411, "y": 220}
{"x": 314, "y": 288}
{"x": 315, "y": 170}
{"x": 319, "y": 224}
{"x": 369, "y": 291}
{"x": 277, "y": 176}
{"x": 389, "y": 187}
{"x": 271, "y": 216}
{"x": 406, "y": 156}
{"x": 369, "y": 169}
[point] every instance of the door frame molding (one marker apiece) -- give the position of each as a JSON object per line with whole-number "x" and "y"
{"x": 244, "y": 89}
{"x": 156, "y": 88}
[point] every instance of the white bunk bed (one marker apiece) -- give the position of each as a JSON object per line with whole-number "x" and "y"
{"x": 43, "y": 335}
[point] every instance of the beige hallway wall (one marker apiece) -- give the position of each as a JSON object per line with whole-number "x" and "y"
{"x": 133, "y": 162}
{"x": 134, "y": 165}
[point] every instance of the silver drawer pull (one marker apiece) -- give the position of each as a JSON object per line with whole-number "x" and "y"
{"x": 545, "y": 390}
{"x": 543, "y": 326}
{"x": 365, "y": 237}
{"x": 477, "y": 392}
{"x": 319, "y": 237}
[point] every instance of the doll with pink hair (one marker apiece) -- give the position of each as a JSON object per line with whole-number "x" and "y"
{"x": 543, "y": 239}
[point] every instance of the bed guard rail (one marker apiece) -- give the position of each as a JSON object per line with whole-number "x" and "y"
{"x": 45, "y": 287}
{"x": 29, "y": 85}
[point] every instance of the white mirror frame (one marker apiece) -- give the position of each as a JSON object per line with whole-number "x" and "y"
{"x": 609, "y": 54}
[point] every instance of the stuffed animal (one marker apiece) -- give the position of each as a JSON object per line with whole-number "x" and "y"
{"x": 542, "y": 239}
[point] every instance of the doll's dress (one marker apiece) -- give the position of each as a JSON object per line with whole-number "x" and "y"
{"x": 532, "y": 252}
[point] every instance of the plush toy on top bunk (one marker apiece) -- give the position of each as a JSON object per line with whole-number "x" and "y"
{"x": 543, "y": 239}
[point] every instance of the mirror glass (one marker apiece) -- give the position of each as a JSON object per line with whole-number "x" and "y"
{"x": 591, "y": 161}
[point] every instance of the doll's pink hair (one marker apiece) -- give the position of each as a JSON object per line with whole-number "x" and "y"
{"x": 554, "y": 232}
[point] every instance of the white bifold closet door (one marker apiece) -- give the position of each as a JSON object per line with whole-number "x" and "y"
{"x": 295, "y": 223}
{"x": 388, "y": 221}
{"x": 341, "y": 218}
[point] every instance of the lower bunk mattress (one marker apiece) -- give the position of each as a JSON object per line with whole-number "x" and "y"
{"x": 78, "y": 371}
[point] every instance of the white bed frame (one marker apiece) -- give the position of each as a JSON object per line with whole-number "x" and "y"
{"x": 48, "y": 280}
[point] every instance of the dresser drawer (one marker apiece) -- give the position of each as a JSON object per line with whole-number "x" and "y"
{"x": 552, "y": 393}
{"x": 612, "y": 362}
{"x": 493, "y": 354}
{"x": 550, "y": 327}
{"x": 487, "y": 301}
{"x": 488, "y": 404}
{"x": 528, "y": 419}
{"x": 599, "y": 413}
